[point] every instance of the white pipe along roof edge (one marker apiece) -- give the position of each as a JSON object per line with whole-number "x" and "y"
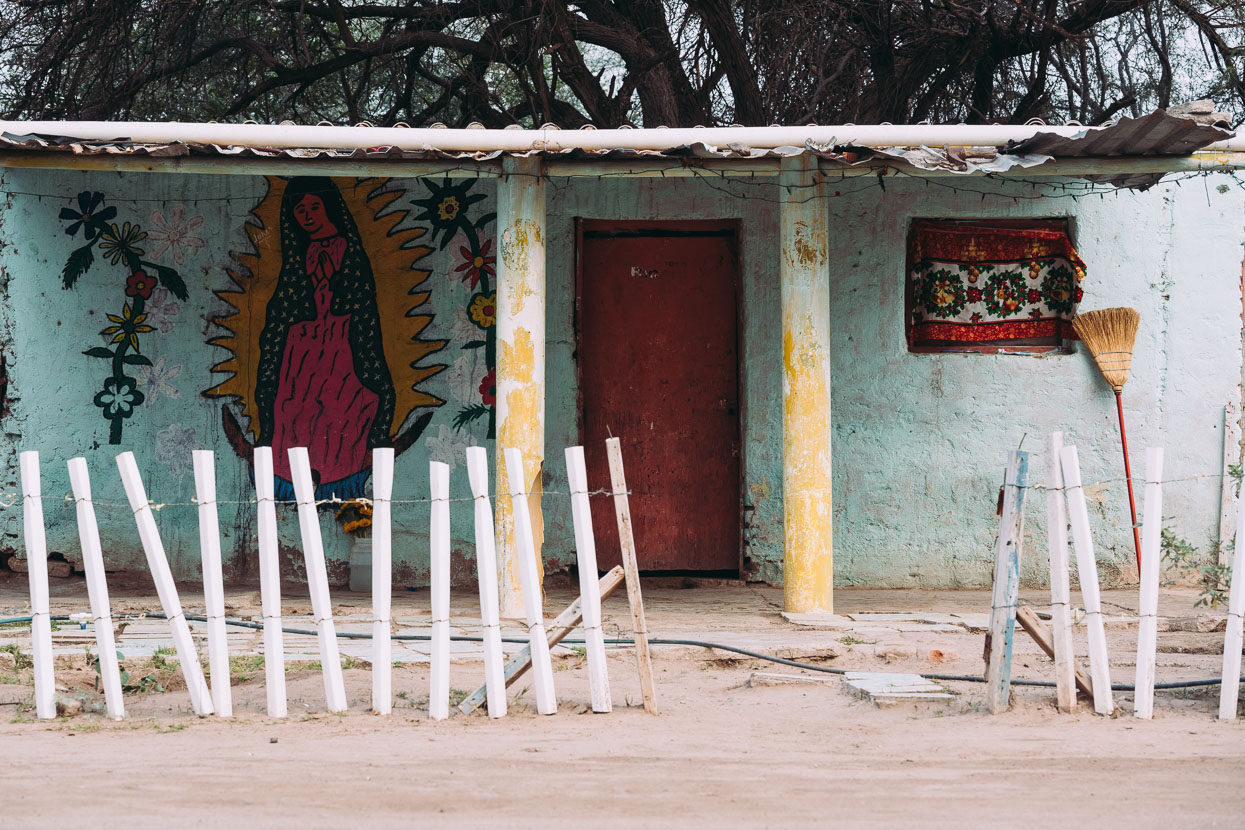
{"x": 550, "y": 139}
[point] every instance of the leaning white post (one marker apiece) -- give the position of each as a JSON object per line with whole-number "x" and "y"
{"x": 1005, "y": 596}
{"x": 317, "y": 579}
{"x": 158, "y": 563}
{"x": 589, "y": 588}
{"x": 1087, "y": 571}
{"x": 97, "y": 587}
{"x": 40, "y": 600}
{"x": 542, "y": 665}
{"x": 439, "y": 535}
{"x": 1148, "y": 607}
{"x": 213, "y": 581}
{"x": 1231, "y": 688}
{"x": 382, "y": 580}
{"x": 1060, "y": 588}
{"x": 486, "y": 575}
{"x": 270, "y": 582}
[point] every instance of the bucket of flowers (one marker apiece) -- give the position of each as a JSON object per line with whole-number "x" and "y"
{"x": 355, "y": 519}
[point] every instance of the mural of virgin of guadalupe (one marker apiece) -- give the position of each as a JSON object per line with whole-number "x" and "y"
{"x": 322, "y": 380}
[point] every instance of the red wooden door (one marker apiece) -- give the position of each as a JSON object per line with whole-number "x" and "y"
{"x": 659, "y": 369}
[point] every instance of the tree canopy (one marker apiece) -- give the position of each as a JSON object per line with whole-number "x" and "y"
{"x": 615, "y": 62}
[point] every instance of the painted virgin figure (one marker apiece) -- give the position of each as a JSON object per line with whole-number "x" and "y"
{"x": 323, "y": 382}
{"x": 325, "y": 331}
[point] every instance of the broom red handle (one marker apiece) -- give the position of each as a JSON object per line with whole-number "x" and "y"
{"x": 1128, "y": 475}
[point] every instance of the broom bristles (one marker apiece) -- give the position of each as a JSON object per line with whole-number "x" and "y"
{"x": 1109, "y": 333}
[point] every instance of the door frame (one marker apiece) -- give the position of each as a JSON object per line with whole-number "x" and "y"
{"x": 663, "y": 227}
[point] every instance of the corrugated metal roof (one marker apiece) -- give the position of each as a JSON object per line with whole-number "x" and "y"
{"x": 1158, "y": 133}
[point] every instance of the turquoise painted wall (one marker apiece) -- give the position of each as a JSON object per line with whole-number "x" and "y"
{"x": 920, "y": 440}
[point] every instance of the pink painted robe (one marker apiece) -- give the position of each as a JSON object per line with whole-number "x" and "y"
{"x": 321, "y": 403}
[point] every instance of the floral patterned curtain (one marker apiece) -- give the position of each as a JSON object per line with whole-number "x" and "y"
{"x": 975, "y": 283}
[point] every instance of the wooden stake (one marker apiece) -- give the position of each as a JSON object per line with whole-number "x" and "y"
{"x": 1087, "y": 571}
{"x": 1227, "y": 492}
{"x": 317, "y": 579}
{"x": 1006, "y": 584}
{"x": 559, "y": 629}
{"x": 270, "y": 582}
{"x": 626, "y": 539}
{"x": 546, "y": 700}
{"x": 1041, "y": 635}
{"x": 213, "y": 580}
{"x": 158, "y": 564}
{"x": 1230, "y": 691}
{"x": 589, "y": 591}
{"x": 1148, "y": 607}
{"x": 97, "y": 588}
{"x": 382, "y": 580}
{"x": 486, "y": 574}
{"x": 1063, "y": 652}
{"x": 439, "y": 535}
{"x": 40, "y": 597}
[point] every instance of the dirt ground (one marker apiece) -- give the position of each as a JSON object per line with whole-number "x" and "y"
{"x": 722, "y": 753}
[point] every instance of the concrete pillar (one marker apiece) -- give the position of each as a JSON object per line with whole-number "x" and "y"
{"x": 804, "y": 274}
{"x": 520, "y": 358}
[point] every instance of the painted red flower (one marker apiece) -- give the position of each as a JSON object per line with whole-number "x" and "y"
{"x": 139, "y": 285}
{"x": 974, "y": 295}
{"x": 1035, "y": 296}
{"x": 477, "y": 264}
{"x": 488, "y": 389}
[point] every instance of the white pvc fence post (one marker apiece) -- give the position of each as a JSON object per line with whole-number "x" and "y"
{"x": 40, "y": 600}
{"x": 97, "y": 587}
{"x": 589, "y": 587}
{"x": 317, "y": 579}
{"x": 382, "y": 580}
{"x": 1230, "y": 691}
{"x": 542, "y": 665}
{"x": 1060, "y": 583}
{"x": 486, "y": 573}
{"x": 439, "y": 668}
{"x": 270, "y": 582}
{"x": 1148, "y": 603}
{"x": 213, "y": 580}
{"x": 158, "y": 563}
{"x": 1087, "y": 571}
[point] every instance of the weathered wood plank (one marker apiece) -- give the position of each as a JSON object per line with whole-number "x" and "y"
{"x": 1006, "y": 584}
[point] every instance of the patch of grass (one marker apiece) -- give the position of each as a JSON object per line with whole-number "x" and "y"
{"x": 172, "y": 727}
{"x": 163, "y": 651}
{"x": 349, "y": 662}
{"x": 1202, "y": 569}
{"x": 18, "y": 624}
{"x": 849, "y": 640}
{"x": 457, "y": 696}
{"x": 21, "y": 660}
{"x": 243, "y": 667}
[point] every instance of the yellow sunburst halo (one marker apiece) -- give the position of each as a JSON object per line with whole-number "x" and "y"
{"x": 394, "y": 255}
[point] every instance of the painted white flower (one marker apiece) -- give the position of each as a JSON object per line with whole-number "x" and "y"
{"x": 157, "y": 378}
{"x": 175, "y": 234}
{"x": 465, "y": 375}
{"x": 463, "y": 330}
{"x": 161, "y": 309}
{"x": 174, "y": 446}
{"x": 449, "y": 445}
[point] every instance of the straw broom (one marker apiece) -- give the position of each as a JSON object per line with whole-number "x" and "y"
{"x": 1109, "y": 334}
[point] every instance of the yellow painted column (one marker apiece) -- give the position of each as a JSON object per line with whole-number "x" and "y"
{"x": 804, "y": 274}
{"x": 520, "y": 359}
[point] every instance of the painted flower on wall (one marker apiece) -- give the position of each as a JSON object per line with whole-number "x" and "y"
{"x": 483, "y": 310}
{"x": 161, "y": 309}
{"x": 156, "y": 379}
{"x": 145, "y": 282}
{"x": 464, "y": 375}
{"x": 88, "y": 216}
{"x": 174, "y": 446}
{"x": 477, "y": 264}
{"x": 121, "y": 243}
{"x": 447, "y": 208}
{"x": 449, "y": 445}
{"x": 139, "y": 285}
{"x": 175, "y": 234}
{"x": 488, "y": 389}
{"x": 119, "y": 397}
